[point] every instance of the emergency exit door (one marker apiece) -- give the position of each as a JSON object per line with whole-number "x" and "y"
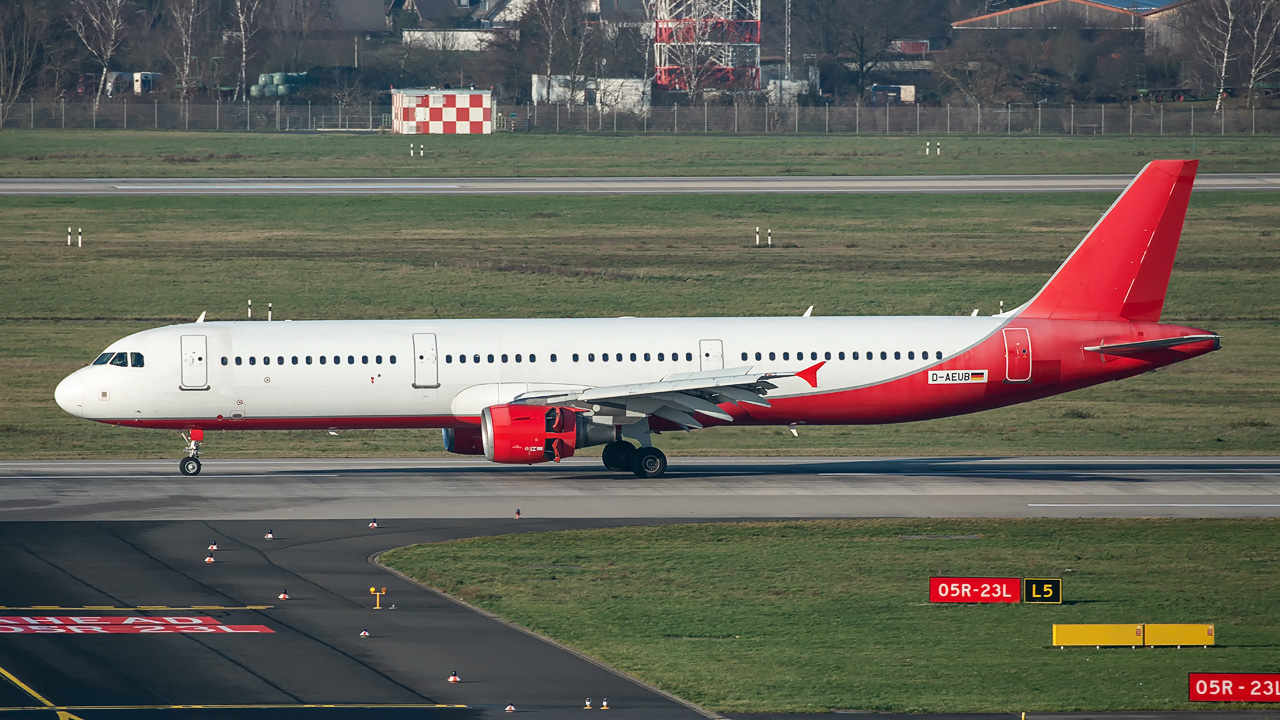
{"x": 426, "y": 367}
{"x": 711, "y": 354}
{"x": 1017, "y": 355}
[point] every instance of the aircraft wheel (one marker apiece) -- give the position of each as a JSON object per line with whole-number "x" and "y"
{"x": 617, "y": 455}
{"x": 649, "y": 463}
{"x": 189, "y": 466}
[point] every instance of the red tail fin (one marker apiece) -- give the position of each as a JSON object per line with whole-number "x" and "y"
{"x": 1121, "y": 269}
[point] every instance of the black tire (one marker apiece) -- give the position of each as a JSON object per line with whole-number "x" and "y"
{"x": 617, "y": 455}
{"x": 649, "y": 462}
{"x": 189, "y": 466}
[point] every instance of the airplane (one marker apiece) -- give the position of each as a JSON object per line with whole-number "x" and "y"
{"x": 536, "y": 390}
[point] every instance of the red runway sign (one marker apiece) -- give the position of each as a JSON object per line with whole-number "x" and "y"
{"x": 121, "y": 625}
{"x": 975, "y": 590}
{"x": 1234, "y": 687}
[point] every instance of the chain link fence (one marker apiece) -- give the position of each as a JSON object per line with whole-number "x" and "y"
{"x": 1022, "y": 120}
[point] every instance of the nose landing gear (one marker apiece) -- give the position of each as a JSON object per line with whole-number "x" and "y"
{"x": 190, "y": 465}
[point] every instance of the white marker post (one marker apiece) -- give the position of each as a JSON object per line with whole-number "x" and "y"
{"x": 410, "y": 149}
{"x": 269, "y": 312}
{"x": 69, "y": 237}
{"x": 770, "y": 237}
{"x": 926, "y": 148}
{"x": 79, "y": 237}
{"x": 757, "y": 236}
{"x": 250, "y": 309}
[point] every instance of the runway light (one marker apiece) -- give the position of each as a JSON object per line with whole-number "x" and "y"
{"x": 364, "y": 633}
{"x": 209, "y": 559}
{"x": 453, "y": 677}
{"x": 284, "y": 595}
{"x": 269, "y": 536}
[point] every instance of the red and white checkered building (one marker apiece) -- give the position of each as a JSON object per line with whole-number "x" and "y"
{"x": 442, "y": 112}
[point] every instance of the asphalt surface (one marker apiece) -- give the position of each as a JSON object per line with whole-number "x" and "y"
{"x": 612, "y": 186}
{"x": 128, "y": 540}
{"x": 692, "y": 488}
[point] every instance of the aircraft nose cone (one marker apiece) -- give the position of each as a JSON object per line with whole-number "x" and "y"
{"x": 70, "y": 395}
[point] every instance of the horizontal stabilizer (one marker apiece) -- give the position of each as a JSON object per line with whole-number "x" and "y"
{"x": 1137, "y": 348}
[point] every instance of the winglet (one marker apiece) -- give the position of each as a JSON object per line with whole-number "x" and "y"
{"x": 810, "y": 374}
{"x": 201, "y": 318}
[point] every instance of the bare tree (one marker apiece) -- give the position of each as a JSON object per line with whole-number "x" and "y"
{"x": 22, "y": 29}
{"x": 1213, "y": 29}
{"x": 860, "y": 33}
{"x": 246, "y": 16}
{"x": 183, "y": 15}
{"x": 562, "y": 37}
{"x": 100, "y": 24}
{"x": 1260, "y": 30}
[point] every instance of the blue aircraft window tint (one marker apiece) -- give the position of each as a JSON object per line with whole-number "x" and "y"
{"x": 504, "y": 357}
{"x": 871, "y": 355}
{"x": 553, "y": 357}
{"x": 280, "y": 360}
{"x": 120, "y": 359}
{"x": 661, "y": 357}
{"x": 364, "y": 359}
{"x": 295, "y": 359}
{"x": 911, "y": 355}
{"x": 591, "y": 357}
{"x": 351, "y": 359}
{"x": 135, "y": 359}
{"x": 224, "y": 359}
{"x": 937, "y": 355}
{"x": 604, "y": 357}
{"x": 773, "y": 356}
{"x": 814, "y": 356}
{"x": 517, "y": 357}
{"x": 841, "y": 355}
{"x": 490, "y": 358}
{"x": 826, "y": 356}
{"x": 253, "y": 360}
{"x": 393, "y": 360}
{"x": 853, "y": 355}
{"x": 897, "y": 355}
{"x": 266, "y": 359}
{"x": 786, "y": 356}
{"x": 759, "y": 356}
{"x": 884, "y": 355}
{"x": 474, "y": 358}
{"x": 688, "y": 357}
{"x": 533, "y": 358}
{"x": 103, "y": 359}
{"x": 744, "y": 356}
{"x": 337, "y": 359}
{"x": 575, "y": 357}
{"x": 461, "y": 358}
{"x": 237, "y": 359}
{"x": 308, "y": 359}
{"x": 378, "y": 359}
{"x": 448, "y": 359}
{"x": 322, "y": 359}
{"x": 633, "y": 357}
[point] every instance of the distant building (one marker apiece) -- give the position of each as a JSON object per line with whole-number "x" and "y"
{"x": 1151, "y": 18}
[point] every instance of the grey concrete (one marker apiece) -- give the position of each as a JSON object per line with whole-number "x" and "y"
{"x": 693, "y": 488}
{"x": 612, "y": 186}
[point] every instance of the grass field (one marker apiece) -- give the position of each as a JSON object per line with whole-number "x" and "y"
{"x": 88, "y": 153}
{"x": 823, "y": 615}
{"x": 154, "y": 261}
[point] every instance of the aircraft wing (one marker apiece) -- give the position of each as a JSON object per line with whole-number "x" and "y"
{"x": 674, "y": 398}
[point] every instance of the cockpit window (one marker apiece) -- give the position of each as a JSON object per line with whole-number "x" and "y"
{"x": 103, "y": 359}
{"x": 135, "y": 359}
{"x": 120, "y": 360}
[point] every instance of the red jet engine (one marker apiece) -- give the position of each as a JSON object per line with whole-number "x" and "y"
{"x": 528, "y": 434}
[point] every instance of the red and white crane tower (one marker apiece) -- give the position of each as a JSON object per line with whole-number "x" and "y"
{"x": 704, "y": 45}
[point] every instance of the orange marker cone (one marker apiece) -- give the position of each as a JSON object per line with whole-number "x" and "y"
{"x": 511, "y": 708}
{"x": 588, "y": 705}
{"x": 364, "y": 633}
{"x": 453, "y": 677}
{"x": 373, "y": 524}
{"x": 269, "y": 536}
{"x": 517, "y": 513}
{"x": 284, "y": 595}
{"x": 604, "y": 704}
{"x": 209, "y": 559}
{"x": 213, "y": 545}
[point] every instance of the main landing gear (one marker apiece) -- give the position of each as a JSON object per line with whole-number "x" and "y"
{"x": 190, "y": 465}
{"x": 645, "y": 462}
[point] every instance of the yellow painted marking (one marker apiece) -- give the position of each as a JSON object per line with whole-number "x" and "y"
{"x": 364, "y": 706}
{"x": 64, "y": 715}
{"x": 25, "y": 688}
{"x": 148, "y": 608}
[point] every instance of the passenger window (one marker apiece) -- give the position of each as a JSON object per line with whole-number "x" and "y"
{"x": 266, "y": 359}
{"x": 575, "y": 357}
{"x": 533, "y": 358}
{"x": 474, "y": 358}
{"x": 322, "y": 359}
{"x": 504, "y": 357}
{"x": 279, "y": 359}
{"x": 393, "y": 359}
{"x": 814, "y": 356}
{"x": 911, "y": 355}
{"x": 604, "y": 357}
{"x": 351, "y": 359}
{"x": 308, "y": 359}
{"x": 646, "y": 357}
{"x": 871, "y": 355}
{"x": 135, "y": 359}
{"x": 591, "y": 357}
{"x": 448, "y": 359}
{"x": 897, "y": 355}
{"x": 364, "y": 359}
{"x": 237, "y": 360}
{"x": 253, "y": 360}
{"x": 688, "y": 357}
{"x": 489, "y": 358}
{"x": 841, "y": 356}
{"x": 662, "y": 356}
{"x": 295, "y": 359}
{"x": 103, "y": 359}
{"x": 224, "y": 359}
{"x": 618, "y": 357}
{"x": 937, "y": 355}
{"x": 826, "y": 356}
{"x": 461, "y": 358}
{"x": 633, "y": 358}
{"x": 744, "y": 356}
{"x": 758, "y": 356}
{"x": 786, "y": 356}
{"x": 553, "y": 357}
{"x": 884, "y": 355}
{"x": 773, "y": 356}
{"x": 378, "y": 358}
{"x": 854, "y": 355}
{"x": 517, "y": 357}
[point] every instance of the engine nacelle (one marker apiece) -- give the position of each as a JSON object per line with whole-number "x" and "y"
{"x": 463, "y": 441}
{"x": 527, "y": 434}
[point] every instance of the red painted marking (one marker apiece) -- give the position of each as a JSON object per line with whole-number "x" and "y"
{"x": 121, "y": 625}
{"x": 1233, "y": 687}
{"x": 975, "y": 590}
{"x": 810, "y": 374}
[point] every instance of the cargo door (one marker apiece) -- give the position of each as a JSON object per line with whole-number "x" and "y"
{"x": 711, "y": 353}
{"x": 1017, "y": 355}
{"x": 195, "y": 366}
{"x": 426, "y": 368}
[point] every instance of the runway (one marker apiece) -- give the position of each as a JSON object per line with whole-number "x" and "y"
{"x": 693, "y": 488}
{"x": 613, "y": 186}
